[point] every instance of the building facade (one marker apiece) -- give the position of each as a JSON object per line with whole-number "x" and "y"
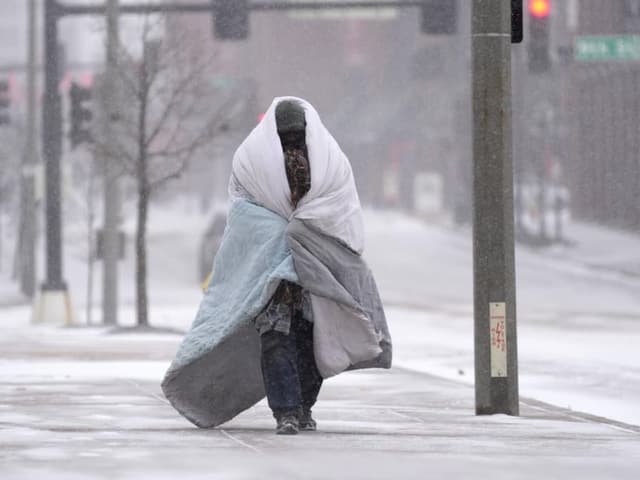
{"x": 386, "y": 91}
{"x": 604, "y": 105}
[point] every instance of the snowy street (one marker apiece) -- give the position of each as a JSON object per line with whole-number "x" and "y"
{"x": 86, "y": 402}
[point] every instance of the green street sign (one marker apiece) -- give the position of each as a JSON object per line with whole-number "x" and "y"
{"x": 608, "y": 48}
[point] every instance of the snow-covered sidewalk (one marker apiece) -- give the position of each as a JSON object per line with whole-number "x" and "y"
{"x": 83, "y": 403}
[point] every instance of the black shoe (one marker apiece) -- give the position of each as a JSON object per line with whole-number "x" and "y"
{"x": 288, "y": 425}
{"x": 307, "y": 423}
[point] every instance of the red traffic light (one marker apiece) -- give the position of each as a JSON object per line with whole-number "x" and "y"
{"x": 540, "y": 8}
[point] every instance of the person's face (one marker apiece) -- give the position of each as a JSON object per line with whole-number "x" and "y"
{"x": 293, "y": 140}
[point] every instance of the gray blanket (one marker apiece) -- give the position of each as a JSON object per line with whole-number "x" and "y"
{"x": 350, "y": 329}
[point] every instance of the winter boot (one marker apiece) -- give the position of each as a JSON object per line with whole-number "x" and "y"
{"x": 307, "y": 423}
{"x": 288, "y": 425}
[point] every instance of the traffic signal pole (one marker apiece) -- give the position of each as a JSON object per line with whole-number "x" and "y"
{"x": 496, "y": 368}
{"x": 53, "y": 305}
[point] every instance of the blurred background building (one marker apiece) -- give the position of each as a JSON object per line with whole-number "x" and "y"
{"x": 392, "y": 96}
{"x": 398, "y": 102}
{"x": 603, "y": 164}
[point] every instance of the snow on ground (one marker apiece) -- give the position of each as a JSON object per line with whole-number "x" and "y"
{"x": 430, "y": 265}
{"x": 29, "y": 371}
{"x": 373, "y": 425}
{"x": 578, "y": 327}
{"x": 597, "y": 372}
{"x": 578, "y": 309}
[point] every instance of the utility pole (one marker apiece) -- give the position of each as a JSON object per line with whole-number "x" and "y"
{"x": 27, "y": 245}
{"x": 496, "y": 368}
{"x": 112, "y": 190}
{"x": 54, "y": 305}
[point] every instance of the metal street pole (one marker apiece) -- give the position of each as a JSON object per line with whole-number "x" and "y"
{"x": 54, "y": 305}
{"x": 112, "y": 190}
{"x": 27, "y": 247}
{"x": 496, "y": 368}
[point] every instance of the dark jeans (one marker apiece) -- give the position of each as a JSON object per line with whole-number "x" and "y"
{"x": 291, "y": 378}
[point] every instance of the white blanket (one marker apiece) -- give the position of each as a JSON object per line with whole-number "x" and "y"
{"x": 331, "y": 206}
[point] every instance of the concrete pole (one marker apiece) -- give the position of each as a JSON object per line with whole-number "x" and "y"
{"x": 29, "y": 164}
{"x": 496, "y": 368}
{"x": 112, "y": 190}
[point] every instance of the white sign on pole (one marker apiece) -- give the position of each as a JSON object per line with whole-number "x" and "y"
{"x": 498, "y": 317}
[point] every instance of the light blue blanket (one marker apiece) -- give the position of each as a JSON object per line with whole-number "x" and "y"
{"x": 216, "y": 372}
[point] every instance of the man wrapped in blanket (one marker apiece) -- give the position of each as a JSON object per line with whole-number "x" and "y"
{"x": 291, "y": 379}
{"x": 291, "y": 300}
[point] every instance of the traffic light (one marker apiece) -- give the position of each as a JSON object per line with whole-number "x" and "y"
{"x": 5, "y": 102}
{"x": 539, "y": 60}
{"x": 516, "y": 21}
{"x": 80, "y": 114}
{"x": 231, "y": 19}
{"x": 439, "y": 17}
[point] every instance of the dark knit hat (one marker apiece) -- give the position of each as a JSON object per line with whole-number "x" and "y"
{"x": 290, "y": 117}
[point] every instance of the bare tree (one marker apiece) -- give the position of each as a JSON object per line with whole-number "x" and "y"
{"x": 10, "y": 173}
{"x": 166, "y": 117}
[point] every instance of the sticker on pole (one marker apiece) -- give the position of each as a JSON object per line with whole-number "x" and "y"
{"x": 498, "y": 316}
